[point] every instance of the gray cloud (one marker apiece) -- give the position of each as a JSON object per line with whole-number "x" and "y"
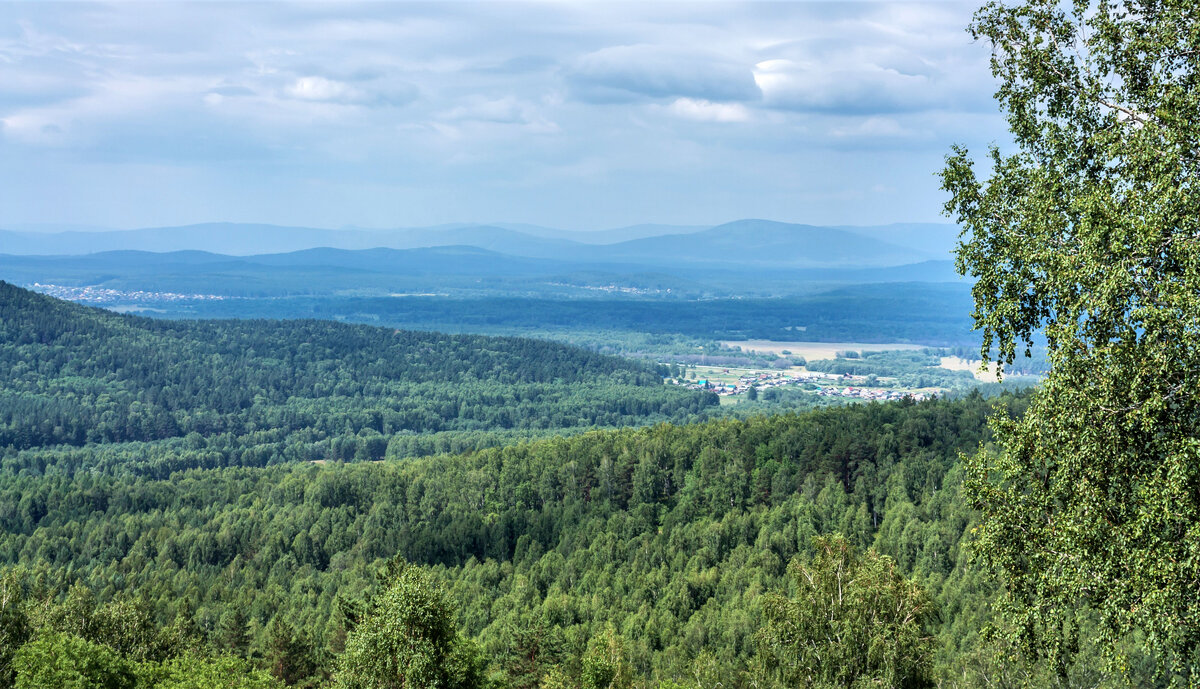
{"x": 576, "y": 114}
{"x": 630, "y": 72}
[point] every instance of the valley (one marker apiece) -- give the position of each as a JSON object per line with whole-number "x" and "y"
{"x": 629, "y": 462}
{"x": 584, "y": 345}
{"x": 623, "y": 452}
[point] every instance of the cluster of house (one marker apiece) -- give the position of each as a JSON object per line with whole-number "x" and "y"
{"x": 869, "y": 393}
{"x": 613, "y": 288}
{"x": 102, "y": 295}
{"x": 762, "y": 381}
{"x": 825, "y": 384}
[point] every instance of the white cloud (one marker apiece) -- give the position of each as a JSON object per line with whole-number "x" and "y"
{"x": 107, "y": 99}
{"x": 882, "y": 58}
{"x": 491, "y": 112}
{"x": 319, "y": 89}
{"x": 322, "y": 89}
{"x": 707, "y": 111}
{"x": 828, "y": 87}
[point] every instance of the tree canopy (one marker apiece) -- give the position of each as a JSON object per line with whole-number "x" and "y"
{"x": 632, "y": 557}
{"x": 408, "y": 638}
{"x": 1088, "y": 230}
{"x": 311, "y": 390}
{"x": 855, "y": 622}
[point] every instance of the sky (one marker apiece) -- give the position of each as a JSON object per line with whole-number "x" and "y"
{"x": 563, "y": 114}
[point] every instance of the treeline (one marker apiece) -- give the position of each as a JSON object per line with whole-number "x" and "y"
{"x": 71, "y": 375}
{"x": 855, "y": 620}
{"x": 1031, "y": 362}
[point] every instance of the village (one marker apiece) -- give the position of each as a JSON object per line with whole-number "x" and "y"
{"x": 91, "y": 294}
{"x": 729, "y": 385}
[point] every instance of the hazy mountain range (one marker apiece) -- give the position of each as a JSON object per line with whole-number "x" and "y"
{"x": 743, "y": 242}
{"x": 746, "y": 257}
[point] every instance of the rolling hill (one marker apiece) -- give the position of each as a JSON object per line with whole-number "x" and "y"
{"x": 938, "y": 240}
{"x": 449, "y": 269}
{"x": 241, "y": 239}
{"x": 71, "y": 374}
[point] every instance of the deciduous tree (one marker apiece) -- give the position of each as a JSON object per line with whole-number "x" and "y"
{"x": 408, "y": 638}
{"x": 855, "y": 621}
{"x": 1089, "y": 230}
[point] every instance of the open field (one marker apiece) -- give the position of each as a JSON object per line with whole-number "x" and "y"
{"x": 959, "y": 364}
{"x": 731, "y": 374}
{"x": 815, "y": 350}
{"x": 955, "y": 363}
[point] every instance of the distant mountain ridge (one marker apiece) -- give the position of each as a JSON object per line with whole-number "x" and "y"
{"x": 237, "y": 239}
{"x": 433, "y": 269}
{"x": 611, "y": 236}
{"x": 760, "y": 243}
{"x": 768, "y": 243}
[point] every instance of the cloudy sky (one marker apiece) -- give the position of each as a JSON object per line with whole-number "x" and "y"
{"x": 564, "y": 114}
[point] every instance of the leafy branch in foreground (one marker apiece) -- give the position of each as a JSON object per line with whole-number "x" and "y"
{"x": 1091, "y": 231}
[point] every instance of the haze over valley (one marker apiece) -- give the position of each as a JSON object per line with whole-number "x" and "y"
{"x": 590, "y": 345}
{"x": 740, "y": 280}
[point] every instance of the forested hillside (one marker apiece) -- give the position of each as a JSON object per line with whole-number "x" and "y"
{"x": 71, "y": 375}
{"x": 668, "y": 535}
{"x": 145, "y": 542}
{"x": 660, "y": 544}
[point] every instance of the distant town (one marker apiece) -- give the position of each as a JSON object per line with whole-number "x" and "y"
{"x": 102, "y": 295}
{"x": 824, "y": 384}
{"x": 612, "y": 288}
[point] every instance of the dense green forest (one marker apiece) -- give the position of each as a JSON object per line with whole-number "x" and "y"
{"x": 926, "y": 313}
{"x": 665, "y": 541}
{"x": 669, "y": 556}
{"x": 71, "y": 375}
{"x": 670, "y": 534}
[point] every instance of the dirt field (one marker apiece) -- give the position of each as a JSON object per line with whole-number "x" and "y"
{"x": 958, "y": 364}
{"x": 814, "y": 350}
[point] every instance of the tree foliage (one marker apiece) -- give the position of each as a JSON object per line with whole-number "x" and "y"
{"x": 197, "y": 671}
{"x": 855, "y": 621}
{"x": 668, "y": 535}
{"x": 65, "y": 660}
{"x": 1090, "y": 231}
{"x": 15, "y": 627}
{"x": 408, "y": 638}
